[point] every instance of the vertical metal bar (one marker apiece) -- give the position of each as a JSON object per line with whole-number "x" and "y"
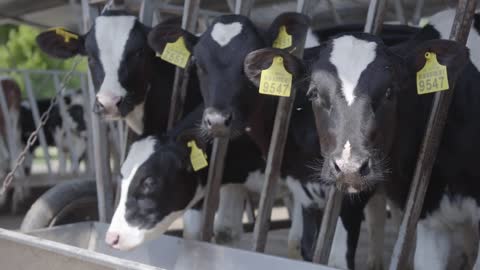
{"x": 417, "y": 14}
{"x": 36, "y": 118}
{"x": 215, "y": 174}
{"x": 400, "y": 11}
{"x": 146, "y": 12}
{"x": 373, "y": 25}
{"x": 429, "y": 147}
{"x": 244, "y": 7}
{"x": 275, "y": 158}
{"x": 180, "y": 83}
{"x": 88, "y": 121}
{"x": 105, "y": 188}
{"x": 10, "y": 140}
{"x": 66, "y": 126}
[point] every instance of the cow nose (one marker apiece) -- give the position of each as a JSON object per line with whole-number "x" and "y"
{"x": 362, "y": 168}
{"x": 107, "y": 103}
{"x": 217, "y": 120}
{"x": 112, "y": 238}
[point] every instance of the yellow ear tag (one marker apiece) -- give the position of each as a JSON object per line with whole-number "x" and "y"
{"x": 283, "y": 40}
{"x": 276, "y": 80}
{"x": 176, "y": 53}
{"x": 64, "y": 33}
{"x": 432, "y": 77}
{"x": 197, "y": 157}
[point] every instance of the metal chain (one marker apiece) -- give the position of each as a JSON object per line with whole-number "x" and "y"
{"x": 43, "y": 120}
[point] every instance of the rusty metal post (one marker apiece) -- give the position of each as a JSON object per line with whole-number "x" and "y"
{"x": 103, "y": 176}
{"x": 180, "y": 83}
{"x": 215, "y": 174}
{"x": 429, "y": 147}
{"x": 275, "y": 157}
{"x": 373, "y": 25}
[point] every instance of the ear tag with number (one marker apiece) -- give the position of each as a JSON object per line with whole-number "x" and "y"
{"x": 176, "y": 53}
{"x": 197, "y": 157}
{"x": 432, "y": 77}
{"x": 64, "y": 33}
{"x": 276, "y": 80}
{"x": 283, "y": 40}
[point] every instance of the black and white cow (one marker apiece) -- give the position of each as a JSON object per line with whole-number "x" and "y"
{"x": 55, "y": 129}
{"x": 131, "y": 83}
{"x": 159, "y": 185}
{"x": 373, "y": 122}
{"x": 234, "y": 105}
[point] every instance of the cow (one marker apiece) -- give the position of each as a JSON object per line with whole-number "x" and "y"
{"x": 234, "y": 107}
{"x": 12, "y": 94}
{"x": 55, "y": 129}
{"x": 130, "y": 82}
{"x": 373, "y": 123}
{"x": 159, "y": 184}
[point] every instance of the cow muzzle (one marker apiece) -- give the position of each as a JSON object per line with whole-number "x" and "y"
{"x": 106, "y": 106}
{"x": 216, "y": 122}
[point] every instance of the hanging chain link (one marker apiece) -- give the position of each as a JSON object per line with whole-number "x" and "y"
{"x": 34, "y": 135}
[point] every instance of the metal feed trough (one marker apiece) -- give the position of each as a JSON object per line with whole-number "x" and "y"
{"x": 81, "y": 246}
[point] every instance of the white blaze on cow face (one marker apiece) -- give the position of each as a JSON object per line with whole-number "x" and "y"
{"x": 128, "y": 235}
{"x": 111, "y": 34}
{"x": 351, "y": 56}
{"x": 224, "y": 33}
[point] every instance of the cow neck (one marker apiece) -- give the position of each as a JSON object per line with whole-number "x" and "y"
{"x": 157, "y": 98}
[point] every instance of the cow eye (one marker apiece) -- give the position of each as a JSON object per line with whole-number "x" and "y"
{"x": 148, "y": 185}
{"x": 312, "y": 94}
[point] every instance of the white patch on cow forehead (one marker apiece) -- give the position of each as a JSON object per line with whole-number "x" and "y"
{"x": 351, "y": 56}
{"x": 224, "y": 33}
{"x": 139, "y": 152}
{"x": 347, "y": 151}
{"x": 111, "y": 34}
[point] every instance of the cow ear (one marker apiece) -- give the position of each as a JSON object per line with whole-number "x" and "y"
{"x": 61, "y": 43}
{"x": 162, "y": 34}
{"x": 288, "y": 24}
{"x": 451, "y": 54}
{"x": 262, "y": 59}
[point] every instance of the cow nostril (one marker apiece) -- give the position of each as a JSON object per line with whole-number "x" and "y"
{"x": 228, "y": 119}
{"x": 209, "y": 124}
{"x": 119, "y": 101}
{"x": 336, "y": 167}
{"x": 112, "y": 238}
{"x": 365, "y": 168}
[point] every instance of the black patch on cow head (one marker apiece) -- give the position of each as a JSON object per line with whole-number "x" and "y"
{"x": 163, "y": 184}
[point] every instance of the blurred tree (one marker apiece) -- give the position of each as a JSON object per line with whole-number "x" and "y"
{"x": 18, "y": 50}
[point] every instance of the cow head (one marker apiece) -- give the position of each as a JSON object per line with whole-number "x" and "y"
{"x": 219, "y": 54}
{"x": 355, "y": 85}
{"x": 157, "y": 186}
{"x": 120, "y": 62}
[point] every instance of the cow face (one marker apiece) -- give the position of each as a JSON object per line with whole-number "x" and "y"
{"x": 356, "y": 85}
{"x": 120, "y": 62}
{"x": 156, "y": 188}
{"x": 219, "y": 54}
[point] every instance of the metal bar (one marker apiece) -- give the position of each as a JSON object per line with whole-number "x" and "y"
{"x": 37, "y": 71}
{"x": 215, "y": 175}
{"x": 417, "y": 14}
{"x": 146, "y": 12}
{"x": 244, "y": 7}
{"x": 275, "y": 157}
{"x": 8, "y": 126}
{"x": 88, "y": 121}
{"x": 400, "y": 11}
{"x": 103, "y": 176}
{"x": 178, "y": 10}
{"x": 36, "y": 118}
{"x": 67, "y": 127}
{"x": 180, "y": 83}
{"x": 373, "y": 25}
{"x": 429, "y": 147}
